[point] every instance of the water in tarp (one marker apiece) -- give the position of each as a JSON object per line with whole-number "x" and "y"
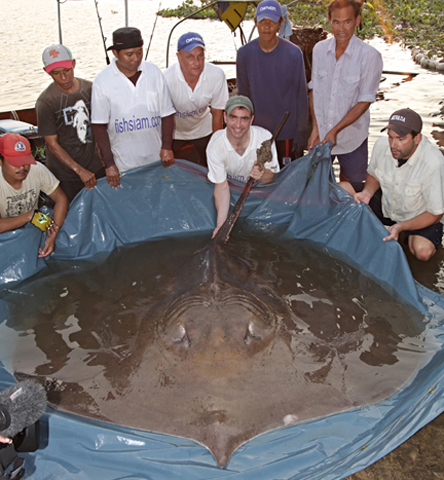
{"x": 281, "y": 333}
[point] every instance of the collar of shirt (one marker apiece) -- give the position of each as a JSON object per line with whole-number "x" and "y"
{"x": 116, "y": 70}
{"x": 352, "y": 45}
{"x": 202, "y": 76}
{"x": 247, "y": 149}
{"x": 411, "y": 161}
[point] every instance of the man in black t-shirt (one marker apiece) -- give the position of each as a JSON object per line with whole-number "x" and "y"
{"x": 63, "y": 117}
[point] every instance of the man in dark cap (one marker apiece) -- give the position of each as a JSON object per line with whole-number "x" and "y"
{"x": 199, "y": 92}
{"x": 132, "y": 111}
{"x": 405, "y": 184}
{"x": 64, "y": 120}
{"x": 21, "y": 180}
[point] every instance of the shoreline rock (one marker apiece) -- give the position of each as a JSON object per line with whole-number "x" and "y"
{"x": 421, "y": 58}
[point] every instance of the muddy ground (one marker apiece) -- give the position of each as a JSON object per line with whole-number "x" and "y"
{"x": 419, "y": 458}
{"x": 422, "y": 456}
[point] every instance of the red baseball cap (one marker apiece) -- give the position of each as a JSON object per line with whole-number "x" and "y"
{"x": 16, "y": 150}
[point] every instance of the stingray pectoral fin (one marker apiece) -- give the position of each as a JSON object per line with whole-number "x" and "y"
{"x": 67, "y": 396}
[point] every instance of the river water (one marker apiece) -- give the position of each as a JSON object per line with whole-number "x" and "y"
{"x": 30, "y": 26}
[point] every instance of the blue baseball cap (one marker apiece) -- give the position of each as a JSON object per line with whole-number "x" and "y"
{"x": 270, "y": 9}
{"x": 190, "y": 40}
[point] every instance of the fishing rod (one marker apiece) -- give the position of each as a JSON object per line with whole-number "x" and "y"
{"x": 96, "y": 3}
{"x": 59, "y": 17}
{"x": 154, "y": 26}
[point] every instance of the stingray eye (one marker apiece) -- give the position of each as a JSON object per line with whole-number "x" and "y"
{"x": 252, "y": 333}
{"x": 180, "y": 336}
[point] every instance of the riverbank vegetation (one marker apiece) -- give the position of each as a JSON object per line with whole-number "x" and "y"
{"x": 413, "y": 22}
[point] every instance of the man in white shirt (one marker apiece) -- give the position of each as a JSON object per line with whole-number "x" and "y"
{"x": 132, "y": 111}
{"x": 21, "y": 180}
{"x": 345, "y": 78}
{"x": 405, "y": 184}
{"x": 199, "y": 92}
{"x": 231, "y": 154}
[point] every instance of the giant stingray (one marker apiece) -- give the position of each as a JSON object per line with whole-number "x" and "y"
{"x": 221, "y": 349}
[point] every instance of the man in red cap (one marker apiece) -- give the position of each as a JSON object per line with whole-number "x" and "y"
{"x": 405, "y": 184}
{"x": 21, "y": 181}
{"x": 64, "y": 120}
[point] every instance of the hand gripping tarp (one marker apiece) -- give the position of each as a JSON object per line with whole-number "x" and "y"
{"x": 154, "y": 202}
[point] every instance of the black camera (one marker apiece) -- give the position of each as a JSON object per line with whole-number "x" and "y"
{"x": 28, "y": 440}
{"x": 21, "y": 407}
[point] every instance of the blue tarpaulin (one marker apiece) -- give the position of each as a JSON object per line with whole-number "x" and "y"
{"x": 154, "y": 202}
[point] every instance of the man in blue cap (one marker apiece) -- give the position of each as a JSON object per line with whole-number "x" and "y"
{"x": 199, "y": 92}
{"x": 270, "y": 71}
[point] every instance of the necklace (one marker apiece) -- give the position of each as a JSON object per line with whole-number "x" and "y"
{"x": 241, "y": 147}
{"x": 240, "y": 150}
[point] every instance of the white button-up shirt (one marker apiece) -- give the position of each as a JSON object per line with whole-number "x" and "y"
{"x": 414, "y": 188}
{"x": 338, "y": 85}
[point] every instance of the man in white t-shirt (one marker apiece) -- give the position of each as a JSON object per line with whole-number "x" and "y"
{"x": 21, "y": 181}
{"x": 199, "y": 92}
{"x": 231, "y": 154}
{"x": 132, "y": 111}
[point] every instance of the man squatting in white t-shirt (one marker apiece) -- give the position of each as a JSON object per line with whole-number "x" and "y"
{"x": 199, "y": 92}
{"x": 132, "y": 111}
{"x": 21, "y": 181}
{"x": 231, "y": 154}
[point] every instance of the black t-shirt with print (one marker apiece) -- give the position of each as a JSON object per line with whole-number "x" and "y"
{"x": 68, "y": 115}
